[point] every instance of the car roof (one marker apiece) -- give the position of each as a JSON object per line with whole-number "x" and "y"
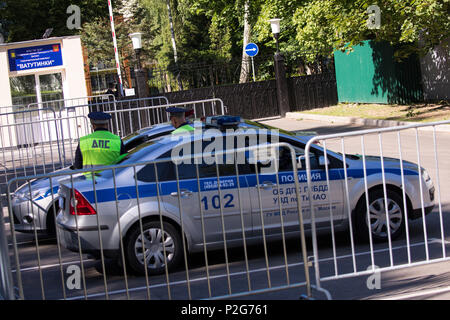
{"x": 160, "y": 134}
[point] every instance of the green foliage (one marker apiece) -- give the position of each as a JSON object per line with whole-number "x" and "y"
{"x": 97, "y": 38}
{"x": 211, "y": 31}
{"x": 340, "y": 24}
{"x": 27, "y": 20}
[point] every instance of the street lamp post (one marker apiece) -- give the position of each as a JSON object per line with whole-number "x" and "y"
{"x": 136, "y": 38}
{"x": 280, "y": 72}
{"x": 275, "y": 25}
{"x": 140, "y": 74}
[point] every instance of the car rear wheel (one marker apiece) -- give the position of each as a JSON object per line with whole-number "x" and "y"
{"x": 158, "y": 246}
{"x": 378, "y": 218}
{"x": 50, "y": 223}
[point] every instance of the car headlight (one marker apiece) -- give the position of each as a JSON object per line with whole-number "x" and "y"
{"x": 425, "y": 175}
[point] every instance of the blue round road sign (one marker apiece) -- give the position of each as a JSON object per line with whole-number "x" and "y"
{"x": 251, "y": 49}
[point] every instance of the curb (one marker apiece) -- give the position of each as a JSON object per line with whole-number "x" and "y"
{"x": 362, "y": 121}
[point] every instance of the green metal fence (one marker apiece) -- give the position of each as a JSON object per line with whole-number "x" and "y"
{"x": 371, "y": 74}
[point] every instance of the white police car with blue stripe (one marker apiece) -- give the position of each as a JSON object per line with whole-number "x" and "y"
{"x": 244, "y": 200}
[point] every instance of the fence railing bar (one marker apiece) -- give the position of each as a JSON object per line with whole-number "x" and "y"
{"x": 141, "y": 229}
{"x": 405, "y": 206}
{"x": 202, "y": 220}
{"x": 225, "y": 247}
{"x": 367, "y": 196}
{"x": 122, "y": 252}
{"x": 183, "y": 233}
{"x": 347, "y": 196}
{"x": 419, "y": 169}
{"x": 58, "y": 244}
{"x": 6, "y": 278}
{"x": 261, "y": 216}
{"x": 158, "y": 195}
{"x": 244, "y": 238}
{"x": 80, "y": 251}
{"x": 100, "y": 240}
{"x": 438, "y": 185}
{"x": 386, "y": 207}
{"x": 37, "y": 247}
{"x": 330, "y": 203}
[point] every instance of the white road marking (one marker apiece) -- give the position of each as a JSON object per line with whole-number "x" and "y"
{"x": 416, "y": 294}
{"x": 32, "y": 241}
{"x": 48, "y": 266}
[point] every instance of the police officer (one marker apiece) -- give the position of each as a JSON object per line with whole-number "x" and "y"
{"x": 99, "y": 148}
{"x": 111, "y": 90}
{"x": 178, "y": 120}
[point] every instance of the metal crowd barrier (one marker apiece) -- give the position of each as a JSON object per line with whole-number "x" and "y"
{"x": 43, "y": 151}
{"x": 71, "y": 104}
{"x": 43, "y": 129}
{"x": 32, "y": 134}
{"x": 127, "y": 121}
{"x": 424, "y": 239}
{"x": 6, "y": 279}
{"x": 75, "y": 107}
{"x": 230, "y": 214}
{"x": 30, "y": 143}
{"x": 104, "y": 103}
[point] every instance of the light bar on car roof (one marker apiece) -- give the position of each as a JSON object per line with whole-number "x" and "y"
{"x": 223, "y": 121}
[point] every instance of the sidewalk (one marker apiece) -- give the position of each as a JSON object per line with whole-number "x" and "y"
{"x": 362, "y": 121}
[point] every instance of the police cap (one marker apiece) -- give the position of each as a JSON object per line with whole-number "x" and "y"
{"x": 176, "y": 110}
{"x": 99, "y": 117}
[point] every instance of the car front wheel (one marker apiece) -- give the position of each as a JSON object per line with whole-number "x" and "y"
{"x": 378, "y": 217}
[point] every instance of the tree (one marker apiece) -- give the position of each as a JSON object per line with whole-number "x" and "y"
{"x": 235, "y": 18}
{"x": 245, "y": 66}
{"x": 415, "y": 25}
{"x": 200, "y": 40}
{"x": 96, "y": 37}
{"x": 27, "y": 20}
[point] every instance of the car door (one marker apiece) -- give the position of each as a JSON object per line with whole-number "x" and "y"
{"x": 221, "y": 204}
{"x": 275, "y": 201}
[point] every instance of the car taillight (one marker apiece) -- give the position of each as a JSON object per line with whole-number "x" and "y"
{"x": 83, "y": 207}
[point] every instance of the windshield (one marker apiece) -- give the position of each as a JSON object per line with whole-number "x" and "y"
{"x": 266, "y": 126}
{"x": 132, "y": 135}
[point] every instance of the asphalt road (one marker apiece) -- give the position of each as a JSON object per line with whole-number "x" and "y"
{"x": 45, "y": 271}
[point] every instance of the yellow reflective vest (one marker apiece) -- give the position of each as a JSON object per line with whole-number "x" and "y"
{"x": 100, "y": 148}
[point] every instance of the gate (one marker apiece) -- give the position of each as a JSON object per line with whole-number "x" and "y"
{"x": 405, "y": 208}
{"x": 129, "y": 118}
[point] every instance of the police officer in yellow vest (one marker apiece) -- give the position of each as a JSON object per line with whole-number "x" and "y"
{"x": 178, "y": 120}
{"x": 99, "y": 148}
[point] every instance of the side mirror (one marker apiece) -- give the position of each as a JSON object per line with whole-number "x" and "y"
{"x": 322, "y": 161}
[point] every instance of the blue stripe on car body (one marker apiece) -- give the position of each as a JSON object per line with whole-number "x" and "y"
{"x": 228, "y": 183}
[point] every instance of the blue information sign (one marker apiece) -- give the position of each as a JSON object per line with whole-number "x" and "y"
{"x": 35, "y": 57}
{"x": 251, "y": 49}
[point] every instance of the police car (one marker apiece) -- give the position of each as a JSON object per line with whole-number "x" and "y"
{"x": 154, "y": 205}
{"x": 35, "y": 204}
